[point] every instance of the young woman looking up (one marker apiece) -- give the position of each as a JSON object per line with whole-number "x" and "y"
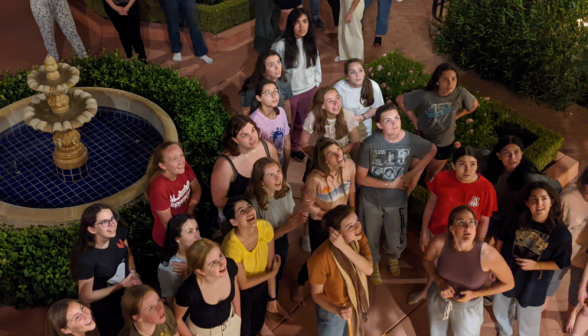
{"x": 232, "y": 171}
{"x": 331, "y": 182}
{"x": 210, "y": 294}
{"x": 70, "y": 317}
{"x": 460, "y": 264}
{"x": 450, "y": 189}
{"x": 268, "y": 66}
{"x": 272, "y": 121}
{"x": 172, "y": 187}
{"x": 145, "y": 314}
{"x": 384, "y": 172}
{"x": 182, "y": 232}
{"x": 509, "y": 170}
{"x": 534, "y": 245}
{"x": 297, "y": 47}
{"x": 338, "y": 270}
{"x": 271, "y": 197}
{"x": 360, "y": 95}
{"x": 438, "y": 106}
{"x": 250, "y": 244}
{"x": 102, "y": 264}
{"x": 328, "y": 119}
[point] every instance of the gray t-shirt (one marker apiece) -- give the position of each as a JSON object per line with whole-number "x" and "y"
{"x": 248, "y": 99}
{"x": 436, "y": 114}
{"x": 386, "y": 161}
{"x": 277, "y": 210}
{"x": 169, "y": 281}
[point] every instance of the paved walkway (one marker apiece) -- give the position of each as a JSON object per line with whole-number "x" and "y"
{"x": 21, "y": 47}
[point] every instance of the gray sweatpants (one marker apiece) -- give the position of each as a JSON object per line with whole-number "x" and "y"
{"x": 528, "y": 318}
{"x": 45, "y": 11}
{"x": 394, "y": 220}
{"x": 465, "y": 318}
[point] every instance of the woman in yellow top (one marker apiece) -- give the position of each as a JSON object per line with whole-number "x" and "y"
{"x": 250, "y": 244}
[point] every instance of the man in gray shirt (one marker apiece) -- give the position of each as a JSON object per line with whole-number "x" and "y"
{"x": 383, "y": 172}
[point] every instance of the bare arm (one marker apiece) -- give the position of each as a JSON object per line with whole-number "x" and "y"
{"x": 305, "y": 142}
{"x": 353, "y": 141}
{"x": 164, "y": 216}
{"x": 410, "y": 114}
{"x": 114, "y": 6}
{"x": 483, "y": 227}
{"x": 273, "y": 151}
{"x": 88, "y": 295}
{"x": 418, "y": 169}
{"x": 368, "y": 181}
{"x": 271, "y": 282}
{"x": 288, "y": 110}
{"x": 196, "y": 193}
{"x": 317, "y": 293}
{"x": 428, "y": 213}
{"x": 237, "y": 299}
{"x": 361, "y": 262}
{"x": 287, "y": 152}
{"x": 220, "y": 180}
{"x": 249, "y": 282}
{"x": 466, "y": 112}
{"x": 430, "y": 257}
{"x": 293, "y": 221}
{"x": 179, "y": 313}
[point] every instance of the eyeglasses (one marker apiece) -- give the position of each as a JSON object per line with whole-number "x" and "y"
{"x": 465, "y": 224}
{"x": 271, "y": 93}
{"x": 107, "y": 222}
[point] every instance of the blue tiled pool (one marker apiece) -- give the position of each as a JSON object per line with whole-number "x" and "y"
{"x": 119, "y": 146}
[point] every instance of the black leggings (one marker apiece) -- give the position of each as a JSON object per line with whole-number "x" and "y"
{"x": 335, "y": 8}
{"x": 253, "y": 309}
{"x": 317, "y": 237}
{"x": 128, "y": 28}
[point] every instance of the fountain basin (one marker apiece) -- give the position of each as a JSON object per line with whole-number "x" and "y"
{"x": 121, "y": 138}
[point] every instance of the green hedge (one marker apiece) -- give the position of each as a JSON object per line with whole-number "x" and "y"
{"x": 34, "y": 262}
{"x": 537, "y": 48}
{"x": 214, "y": 16}
{"x": 398, "y": 74}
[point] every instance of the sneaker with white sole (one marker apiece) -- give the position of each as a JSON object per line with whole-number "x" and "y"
{"x": 177, "y": 57}
{"x": 206, "y": 59}
{"x": 306, "y": 244}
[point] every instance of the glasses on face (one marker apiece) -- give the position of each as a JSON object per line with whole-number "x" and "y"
{"x": 107, "y": 222}
{"x": 465, "y": 224}
{"x": 271, "y": 93}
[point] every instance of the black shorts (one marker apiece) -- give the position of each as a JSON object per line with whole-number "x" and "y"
{"x": 445, "y": 153}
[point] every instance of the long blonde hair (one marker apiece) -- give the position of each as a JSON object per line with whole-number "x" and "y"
{"x": 197, "y": 254}
{"x": 320, "y": 115}
{"x": 153, "y": 169}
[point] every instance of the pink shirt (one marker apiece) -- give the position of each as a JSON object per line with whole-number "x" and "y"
{"x": 273, "y": 131}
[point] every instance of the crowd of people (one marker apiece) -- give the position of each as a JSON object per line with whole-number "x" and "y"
{"x": 494, "y": 230}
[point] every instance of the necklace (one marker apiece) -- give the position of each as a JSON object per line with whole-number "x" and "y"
{"x": 250, "y": 153}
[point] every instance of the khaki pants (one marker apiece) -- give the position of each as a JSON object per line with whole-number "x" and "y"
{"x": 231, "y": 327}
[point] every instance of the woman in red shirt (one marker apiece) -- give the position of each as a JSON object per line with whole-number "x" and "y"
{"x": 172, "y": 188}
{"x": 450, "y": 189}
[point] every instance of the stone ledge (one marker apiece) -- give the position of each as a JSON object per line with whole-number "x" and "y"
{"x": 227, "y": 40}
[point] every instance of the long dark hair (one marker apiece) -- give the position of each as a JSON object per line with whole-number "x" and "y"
{"x": 259, "y": 91}
{"x": 308, "y": 41}
{"x": 367, "y": 90}
{"x": 495, "y": 168}
{"x": 334, "y": 217}
{"x": 259, "y": 71}
{"x": 86, "y": 240}
{"x": 320, "y": 115}
{"x": 554, "y": 218}
{"x": 255, "y": 186}
{"x": 439, "y": 70}
{"x": 235, "y": 124}
{"x": 449, "y": 238}
{"x": 173, "y": 231}
{"x": 465, "y": 151}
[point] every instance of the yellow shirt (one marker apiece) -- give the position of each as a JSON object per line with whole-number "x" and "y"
{"x": 255, "y": 262}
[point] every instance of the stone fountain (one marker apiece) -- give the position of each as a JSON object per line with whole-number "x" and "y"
{"x": 59, "y": 109}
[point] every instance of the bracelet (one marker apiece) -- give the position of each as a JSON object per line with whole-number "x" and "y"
{"x": 270, "y": 299}
{"x": 364, "y": 117}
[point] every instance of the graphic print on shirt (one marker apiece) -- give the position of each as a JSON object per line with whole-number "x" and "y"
{"x": 529, "y": 244}
{"x": 328, "y": 195}
{"x": 118, "y": 276}
{"x": 278, "y": 138}
{"x": 387, "y": 164}
{"x": 183, "y": 195}
{"x": 475, "y": 202}
{"x": 437, "y": 115}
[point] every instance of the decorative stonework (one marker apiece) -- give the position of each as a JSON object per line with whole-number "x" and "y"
{"x": 69, "y": 152}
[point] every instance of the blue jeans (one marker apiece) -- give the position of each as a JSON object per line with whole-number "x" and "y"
{"x": 175, "y": 10}
{"x": 383, "y": 15}
{"x": 329, "y": 324}
{"x": 314, "y": 9}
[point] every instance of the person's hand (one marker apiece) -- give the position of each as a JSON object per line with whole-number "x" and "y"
{"x": 126, "y": 10}
{"x": 466, "y": 296}
{"x": 527, "y": 264}
{"x": 398, "y": 183}
{"x": 180, "y": 268}
{"x": 276, "y": 264}
{"x": 130, "y": 281}
{"x": 424, "y": 240}
{"x": 349, "y": 17}
{"x": 359, "y": 118}
{"x": 409, "y": 178}
{"x": 295, "y": 220}
{"x": 582, "y": 295}
{"x": 416, "y": 127}
{"x": 336, "y": 238}
{"x": 345, "y": 312}
{"x": 272, "y": 306}
{"x": 446, "y": 290}
{"x": 118, "y": 9}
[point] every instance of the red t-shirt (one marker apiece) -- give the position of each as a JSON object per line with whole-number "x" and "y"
{"x": 165, "y": 194}
{"x": 479, "y": 195}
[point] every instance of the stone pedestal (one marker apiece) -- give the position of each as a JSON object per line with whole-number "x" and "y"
{"x": 69, "y": 152}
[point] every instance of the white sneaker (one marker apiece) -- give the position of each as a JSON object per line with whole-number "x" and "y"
{"x": 206, "y": 59}
{"x": 177, "y": 57}
{"x": 306, "y": 244}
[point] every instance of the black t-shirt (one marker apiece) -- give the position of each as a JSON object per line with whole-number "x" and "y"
{"x": 201, "y": 313}
{"x": 109, "y": 266}
{"x": 536, "y": 243}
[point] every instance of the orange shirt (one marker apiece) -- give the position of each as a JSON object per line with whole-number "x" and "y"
{"x": 323, "y": 270}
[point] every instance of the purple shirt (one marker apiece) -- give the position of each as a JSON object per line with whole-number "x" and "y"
{"x": 273, "y": 130}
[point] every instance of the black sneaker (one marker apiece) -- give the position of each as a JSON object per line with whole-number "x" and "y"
{"x": 319, "y": 24}
{"x": 298, "y": 155}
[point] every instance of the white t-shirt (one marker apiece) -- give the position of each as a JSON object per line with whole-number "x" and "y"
{"x": 351, "y": 99}
{"x": 330, "y": 127}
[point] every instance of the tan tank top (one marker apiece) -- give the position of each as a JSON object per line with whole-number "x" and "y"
{"x": 462, "y": 270}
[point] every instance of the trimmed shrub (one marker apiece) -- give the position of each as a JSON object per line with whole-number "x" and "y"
{"x": 398, "y": 74}
{"x": 537, "y": 48}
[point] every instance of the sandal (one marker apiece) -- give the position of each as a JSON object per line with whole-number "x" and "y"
{"x": 378, "y": 41}
{"x": 376, "y": 277}
{"x": 394, "y": 267}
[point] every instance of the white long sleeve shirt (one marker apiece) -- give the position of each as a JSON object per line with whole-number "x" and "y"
{"x": 301, "y": 78}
